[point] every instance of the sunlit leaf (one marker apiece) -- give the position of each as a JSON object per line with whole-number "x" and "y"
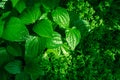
{"x": 73, "y": 37}
{"x": 55, "y": 41}
{"x": 61, "y": 17}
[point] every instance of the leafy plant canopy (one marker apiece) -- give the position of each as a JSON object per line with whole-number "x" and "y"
{"x": 59, "y": 39}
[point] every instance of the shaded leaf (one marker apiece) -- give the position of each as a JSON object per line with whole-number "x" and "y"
{"x": 22, "y": 76}
{"x": 4, "y": 57}
{"x": 14, "y": 50}
{"x": 14, "y": 67}
{"x": 50, "y": 4}
{"x": 1, "y": 27}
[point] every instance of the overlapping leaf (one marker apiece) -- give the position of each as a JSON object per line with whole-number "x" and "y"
{"x": 43, "y": 28}
{"x": 73, "y": 37}
{"x": 14, "y": 67}
{"x": 15, "y": 30}
{"x": 55, "y": 41}
{"x": 61, "y": 17}
{"x": 30, "y": 15}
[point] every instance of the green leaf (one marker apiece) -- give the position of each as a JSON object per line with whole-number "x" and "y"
{"x": 14, "y": 2}
{"x": 33, "y": 69}
{"x": 20, "y": 6}
{"x": 73, "y": 37}
{"x": 15, "y": 30}
{"x": 61, "y": 17}
{"x": 22, "y": 76}
{"x": 14, "y": 67}
{"x": 14, "y": 50}
{"x": 4, "y": 57}
{"x": 3, "y": 74}
{"x": 5, "y": 14}
{"x": 30, "y": 15}
{"x": 43, "y": 28}
{"x": 42, "y": 44}
{"x": 32, "y": 47}
{"x": 1, "y": 27}
{"x": 55, "y": 41}
{"x": 50, "y": 4}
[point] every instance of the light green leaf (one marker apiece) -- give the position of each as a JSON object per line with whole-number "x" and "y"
{"x": 43, "y": 28}
{"x": 30, "y": 15}
{"x": 14, "y": 67}
{"x": 15, "y": 30}
{"x": 61, "y": 17}
{"x": 55, "y": 41}
{"x": 14, "y": 2}
{"x": 73, "y": 37}
{"x": 1, "y": 27}
{"x": 20, "y": 6}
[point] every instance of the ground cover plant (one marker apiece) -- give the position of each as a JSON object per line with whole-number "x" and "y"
{"x": 59, "y": 40}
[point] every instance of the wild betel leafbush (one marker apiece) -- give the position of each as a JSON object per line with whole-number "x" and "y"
{"x": 59, "y": 40}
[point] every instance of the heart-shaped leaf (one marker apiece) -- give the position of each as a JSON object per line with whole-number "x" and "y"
{"x": 43, "y": 28}
{"x": 54, "y": 41}
{"x": 61, "y": 17}
{"x": 30, "y": 15}
{"x": 73, "y": 37}
{"x": 15, "y": 30}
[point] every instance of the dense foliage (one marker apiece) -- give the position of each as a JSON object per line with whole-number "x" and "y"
{"x": 59, "y": 40}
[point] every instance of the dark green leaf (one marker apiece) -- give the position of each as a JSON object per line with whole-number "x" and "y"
{"x": 73, "y": 37}
{"x": 33, "y": 69}
{"x": 14, "y": 50}
{"x": 15, "y": 30}
{"x": 20, "y": 6}
{"x": 54, "y": 41}
{"x": 30, "y": 15}
{"x": 61, "y": 17}
{"x": 4, "y": 57}
{"x": 14, "y": 2}
{"x": 50, "y": 4}
{"x": 1, "y": 27}
{"x": 43, "y": 28}
{"x": 22, "y": 76}
{"x": 14, "y": 67}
